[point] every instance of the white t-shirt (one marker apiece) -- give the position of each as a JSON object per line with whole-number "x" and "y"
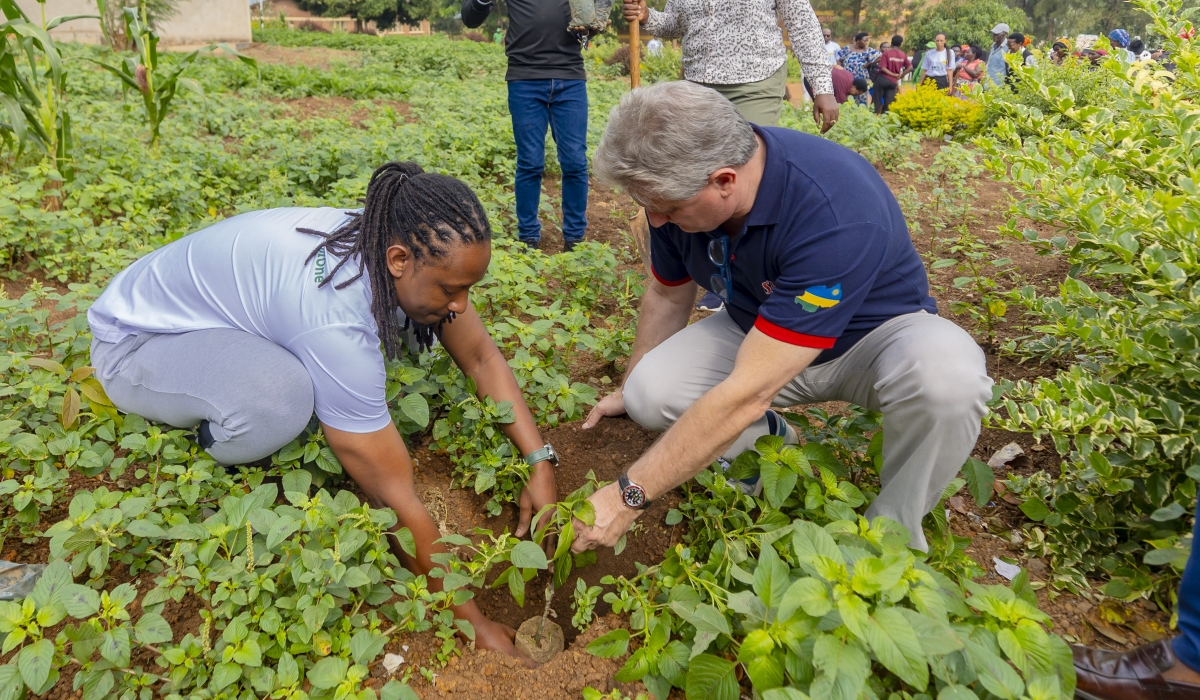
{"x": 938, "y": 63}
{"x": 248, "y": 273}
{"x": 832, "y": 47}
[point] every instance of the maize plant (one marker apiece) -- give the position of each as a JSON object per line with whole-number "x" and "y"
{"x": 33, "y": 86}
{"x": 141, "y": 71}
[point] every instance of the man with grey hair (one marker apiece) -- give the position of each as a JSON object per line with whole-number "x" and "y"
{"x": 826, "y": 299}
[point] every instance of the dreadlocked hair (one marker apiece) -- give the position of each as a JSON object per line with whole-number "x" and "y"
{"x": 427, "y": 213}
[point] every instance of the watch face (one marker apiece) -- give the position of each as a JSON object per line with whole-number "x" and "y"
{"x": 634, "y": 496}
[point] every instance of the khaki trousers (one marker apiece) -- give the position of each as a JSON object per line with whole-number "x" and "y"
{"x": 760, "y": 102}
{"x": 922, "y": 372}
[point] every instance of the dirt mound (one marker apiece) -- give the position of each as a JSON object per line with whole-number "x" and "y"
{"x": 487, "y": 674}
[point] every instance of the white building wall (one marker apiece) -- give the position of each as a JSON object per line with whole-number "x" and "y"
{"x": 197, "y": 22}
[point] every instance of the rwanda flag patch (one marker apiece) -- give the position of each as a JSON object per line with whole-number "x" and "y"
{"x": 820, "y": 297}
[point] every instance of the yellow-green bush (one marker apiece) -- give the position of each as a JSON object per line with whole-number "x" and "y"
{"x": 930, "y": 110}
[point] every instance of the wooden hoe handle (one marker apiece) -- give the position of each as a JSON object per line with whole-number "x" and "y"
{"x": 635, "y": 54}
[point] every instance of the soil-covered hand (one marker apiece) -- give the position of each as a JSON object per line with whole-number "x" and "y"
{"x": 825, "y": 106}
{"x": 537, "y": 494}
{"x": 613, "y": 519}
{"x": 635, "y": 10}
{"x": 495, "y": 636}
{"x": 611, "y": 405}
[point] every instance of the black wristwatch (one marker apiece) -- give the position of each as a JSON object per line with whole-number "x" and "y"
{"x": 547, "y": 454}
{"x": 632, "y": 495}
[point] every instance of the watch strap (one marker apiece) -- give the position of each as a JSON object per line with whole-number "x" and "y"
{"x": 547, "y": 453}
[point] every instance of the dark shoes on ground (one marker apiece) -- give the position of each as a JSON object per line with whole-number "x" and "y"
{"x": 1132, "y": 675}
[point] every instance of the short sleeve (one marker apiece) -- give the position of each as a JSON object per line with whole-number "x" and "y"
{"x": 666, "y": 262}
{"x": 349, "y": 380}
{"x": 822, "y": 283}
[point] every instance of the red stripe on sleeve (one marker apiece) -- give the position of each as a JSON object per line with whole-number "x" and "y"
{"x": 666, "y": 283}
{"x": 792, "y": 337}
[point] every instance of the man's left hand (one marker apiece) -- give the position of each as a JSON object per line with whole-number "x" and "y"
{"x": 613, "y": 519}
{"x": 825, "y": 108}
{"x": 538, "y": 493}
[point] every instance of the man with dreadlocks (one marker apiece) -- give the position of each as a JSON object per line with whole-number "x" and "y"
{"x": 242, "y": 329}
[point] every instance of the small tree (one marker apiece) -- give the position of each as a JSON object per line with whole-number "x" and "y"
{"x": 963, "y": 22}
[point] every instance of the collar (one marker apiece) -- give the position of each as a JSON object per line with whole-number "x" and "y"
{"x": 768, "y": 200}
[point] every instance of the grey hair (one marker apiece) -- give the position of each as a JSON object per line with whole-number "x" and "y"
{"x": 662, "y": 142}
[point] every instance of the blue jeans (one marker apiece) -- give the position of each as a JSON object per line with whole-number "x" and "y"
{"x": 562, "y": 104}
{"x": 1187, "y": 645}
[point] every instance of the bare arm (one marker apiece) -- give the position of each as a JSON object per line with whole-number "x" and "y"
{"x": 379, "y": 463}
{"x": 763, "y": 366}
{"x": 476, "y": 354}
{"x": 663, "y": 313}
{"x": 808, "y": 45}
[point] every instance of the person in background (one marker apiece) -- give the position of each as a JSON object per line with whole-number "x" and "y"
{"x": 970, "y": 70}
{"x": 845, "y": 85}
{"x": 1119, "y": 40}
{"x": 831, "y": 46}
{"x": 498, "y": 36}
{"x": 736, "y": 48}
{"x": 1137, "y": 49}
{"x": 997, "y": 69}
{"x": 939, "y": 63}
{"x": 547, "y": 86}
{"x": 893, "y": 66}
{"x": 1060, "y": 50}
{"x": 858, "y": 58}
{"x": 654, "y": 46}
{"x": 1017, "y": 44}
{"x": 873, "y": 70}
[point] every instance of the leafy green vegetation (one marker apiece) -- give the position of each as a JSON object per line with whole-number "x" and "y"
{"x": 1115, "y": 181}
{"x": 294, "y": 585}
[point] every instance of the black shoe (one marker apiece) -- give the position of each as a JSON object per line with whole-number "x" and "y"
{"x": 569, "y": 246}
{"x": 532, "y": 246}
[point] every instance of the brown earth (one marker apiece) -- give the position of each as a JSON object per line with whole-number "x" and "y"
{"x": 313, "y": 56}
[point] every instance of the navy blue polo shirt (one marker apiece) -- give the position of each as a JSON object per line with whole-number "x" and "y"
{"x": 824, "y": 256}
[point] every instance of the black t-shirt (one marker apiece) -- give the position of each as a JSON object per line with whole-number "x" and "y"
{"x": 538, "y": 44}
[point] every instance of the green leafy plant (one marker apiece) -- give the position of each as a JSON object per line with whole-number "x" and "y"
{"x": 33, "y": 86}
{"x": 141, "y": 71}
{"x": 932, "y": 111}
{"x": 1114, "y": 180}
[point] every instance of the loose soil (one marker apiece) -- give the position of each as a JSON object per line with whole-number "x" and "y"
{"x": 312, "y": 56}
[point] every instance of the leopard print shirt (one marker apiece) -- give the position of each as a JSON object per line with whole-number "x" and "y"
{"x": 728, "y": 42}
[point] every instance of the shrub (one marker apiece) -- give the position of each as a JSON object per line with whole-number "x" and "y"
{"x": 1088, "y": 86}
{"x": 930, "y": 110}
{"x": 1116, "y": 180}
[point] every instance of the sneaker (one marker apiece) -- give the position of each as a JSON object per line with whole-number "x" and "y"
{"x": 752, "y": 486}
{"x": 569, "y": 246}
{"x": 710, "y": 302}
{"x": 533, "y": 246}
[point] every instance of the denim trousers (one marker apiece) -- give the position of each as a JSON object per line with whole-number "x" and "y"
{"x": 1187, "y": 645}
{"x": 563, "y": 105}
